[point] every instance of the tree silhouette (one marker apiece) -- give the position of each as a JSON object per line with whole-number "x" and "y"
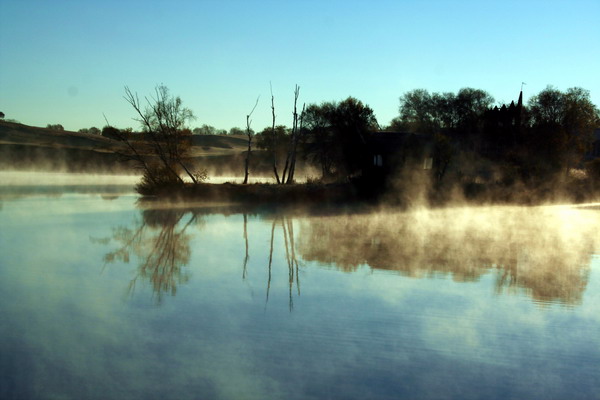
{"x": 460, "y": 113}
{"x": 55, "y": 127}
{"x": 336, "y": 136}
{"x": 162, "y": 152}
{"x": 562, "y": 125}
{"x": 250, "y": 135}
{"x": 287, "y": 176}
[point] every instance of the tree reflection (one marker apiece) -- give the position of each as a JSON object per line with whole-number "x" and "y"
{"x": 160, "y": 242}
{"x": 537, "y": 249}
{"x": 247, "y": 256}
{"x": 287, "y": 229}
{"x": 542, "y": 251}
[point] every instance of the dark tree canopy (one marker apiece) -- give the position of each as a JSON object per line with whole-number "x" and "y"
{"x": 470, "y": 105}
{"x": 561, "y": 125}
{"x": 92, "y": 131}
{"x": 113, "y": 133}
{"x": 277, "y": 141}
{"x": 423, "y": 112}
{"x": 208, "y": 130}
{"x": 237, "y": 131}
{"x": 337, "y": 136}
{"x": 55, "y": 127}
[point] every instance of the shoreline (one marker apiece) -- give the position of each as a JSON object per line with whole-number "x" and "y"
{"x": 359, "y": 194}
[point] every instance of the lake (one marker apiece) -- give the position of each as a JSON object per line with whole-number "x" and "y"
{"x": 107, "y": 298}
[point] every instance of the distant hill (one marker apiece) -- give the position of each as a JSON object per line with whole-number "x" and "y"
{"x": 26, "y": 147}
{"x": 13, "y": 133}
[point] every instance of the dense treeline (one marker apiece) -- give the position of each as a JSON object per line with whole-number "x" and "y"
{"x": 423, "y": 112}
{"x": 546, "y": 138}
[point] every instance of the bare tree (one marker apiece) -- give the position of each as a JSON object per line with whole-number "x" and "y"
{"x": 273, "y": 136}
{"x": 162, "y": 151}
{"x": 249, "y": 133}
{"x": 294, "y": 144}
{"x": 288, "y": 170}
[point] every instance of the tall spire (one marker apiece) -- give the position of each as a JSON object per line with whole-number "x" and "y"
{"x": 519, "y": 110}
{"x": 520, "y": 102}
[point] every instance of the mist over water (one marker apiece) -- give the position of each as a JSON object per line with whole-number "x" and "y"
{"x": 107, "y": 298}
{"x": 544, "y": 250}
{"x": 34, "y": 178}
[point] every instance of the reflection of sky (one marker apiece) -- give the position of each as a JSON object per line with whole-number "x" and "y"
{"x": 70, "y": 330}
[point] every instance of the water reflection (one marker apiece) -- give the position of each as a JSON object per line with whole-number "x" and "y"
{"x": 544, "y": 250}
{"x": 287, "y": 230}
{"x": 161, "y": 243}
{"x": 372, "y": 332}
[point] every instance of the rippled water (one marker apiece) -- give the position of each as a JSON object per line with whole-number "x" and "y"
{"x": 103, "y": 298}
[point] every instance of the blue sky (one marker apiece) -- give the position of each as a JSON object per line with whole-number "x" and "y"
{"x": 67, "y": 61}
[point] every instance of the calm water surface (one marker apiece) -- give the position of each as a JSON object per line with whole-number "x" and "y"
{"x": 103, "y": 299}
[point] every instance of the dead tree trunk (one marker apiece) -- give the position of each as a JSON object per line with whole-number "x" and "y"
{"x": 295, "y": 140}
{"x": 274, "y": 139}
{"x": 250, "y": 134}
{"x": 285, "y": 178}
